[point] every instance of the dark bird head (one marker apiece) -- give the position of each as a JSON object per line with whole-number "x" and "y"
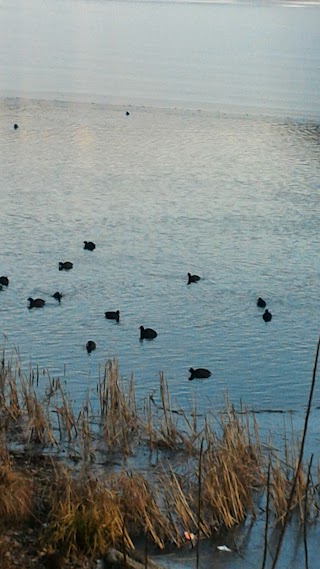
{"x": 89, "y": 245}
{"x": 113, "y": 315}
{"x": 66, "y": 266}
{"x": 36, "y": 303}
{"x": 147, "y": 333}
{"x": 58, "y": 296}
{"x": 267, "y": 316}
{"x": 90, "y": 346}
{"x": 192, "y": 278}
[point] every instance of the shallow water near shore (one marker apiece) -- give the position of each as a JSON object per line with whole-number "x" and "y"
{"x": 246, "y": 549}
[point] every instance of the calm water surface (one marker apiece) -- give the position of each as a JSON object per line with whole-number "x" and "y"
{"x": 215, "y": 171}
{"x": 161, "y": 192}
{"x": 223, "y": 180}
{"x": 245, "y": 56}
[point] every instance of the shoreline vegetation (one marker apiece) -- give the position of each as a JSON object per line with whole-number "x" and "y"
{"x": 76, "y": 487}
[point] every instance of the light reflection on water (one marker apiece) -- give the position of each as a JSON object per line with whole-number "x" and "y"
{"x": 257, "y": 55}
{"x": 233, "y": 199}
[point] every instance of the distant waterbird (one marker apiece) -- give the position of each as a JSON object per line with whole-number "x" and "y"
{"x": 147, "y": 333}
{"x": 58, "y": 296}
{"x": 199, "y": 373}
{"x": 66, "y": 266}
{"x": 193, "y": 278}
{"x": 4, "y": 281}
{"x": 261, "y": 303}
{"x": 90, "y": 346}
{"x": 15, "y": 126}
{"x": 112, "y": 315}
{"x": 89, "y": 245}
{"x": 267, "y": 316}
{"x": 36, "y": 302}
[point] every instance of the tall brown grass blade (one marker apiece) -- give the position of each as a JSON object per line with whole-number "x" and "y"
{"x": 199, "y": 504}
{"x": 297, "y": 473}
{"x": 265, "y": 549}
{"x": 306, "y": 555}
{"x": 146, "y": 550}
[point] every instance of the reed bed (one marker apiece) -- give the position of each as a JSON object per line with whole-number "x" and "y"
{"x": 209, "y": 475}
{"x": 16, "y": 494}
{"x": 83, "y": 514}
{"x": 119, "y": 419}
{"x": 233, "y": 471}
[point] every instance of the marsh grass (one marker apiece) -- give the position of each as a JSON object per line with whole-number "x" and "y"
{"x": 233, "y": 471}
{"x": 208, "y": 474}
{"x": 16, "y": 495}
{"x": 118, "y": 412}
{"x": 83, "y": 514}
{"x": 168, "y": 428}
{"x": 140, "y": 503}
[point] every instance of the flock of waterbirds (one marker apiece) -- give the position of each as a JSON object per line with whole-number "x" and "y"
{"x": 145, "y": 333}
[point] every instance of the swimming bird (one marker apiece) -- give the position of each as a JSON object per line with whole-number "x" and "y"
{"x": 199, "y": 373}
{"x": 147, "y": 333}
{"x": 15, "y": 126}
{"x": 90, "y": 346}
{"x": 4, "y": 281}
{"x": 89, "y": 245}
{"x": 66, "y": 266}
{"x": 267, "y": 316}
{"x": 36, "y": 302}
{"x": 261, "y": 303}
{"x": 113, "y": 315}
{"x": 127, "y": 113}
{"x": 58, "y": 296}
{"x": 192, "y": 278}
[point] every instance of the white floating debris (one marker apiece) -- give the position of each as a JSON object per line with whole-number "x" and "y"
{"x": 224, "y": 548}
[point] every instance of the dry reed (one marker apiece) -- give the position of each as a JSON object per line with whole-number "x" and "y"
{"x": 83, "y": 514}
{"x": 213, "y": 468}
{"x": 16, "y": 491}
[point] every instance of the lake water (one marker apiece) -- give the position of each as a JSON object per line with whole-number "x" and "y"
{"x": 215, "y": 171}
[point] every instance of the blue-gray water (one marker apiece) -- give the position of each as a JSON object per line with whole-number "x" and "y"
{"x": 225, "y": 185}
{"x": 163, "y": 192}
{"x": 215, "y": 171}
